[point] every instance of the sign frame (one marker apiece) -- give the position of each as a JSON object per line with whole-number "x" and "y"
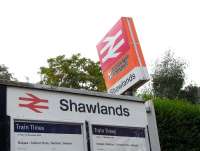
{"x": 7, "y": 120}
{"x": 12, "y": 133}
{"x": 92, "y": 141}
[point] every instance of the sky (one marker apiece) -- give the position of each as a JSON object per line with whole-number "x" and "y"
{"x": 31, "y": 31}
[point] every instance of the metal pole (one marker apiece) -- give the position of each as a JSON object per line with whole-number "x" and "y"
{"x": 152, "y": 126}
{"x": 130, "y": 92}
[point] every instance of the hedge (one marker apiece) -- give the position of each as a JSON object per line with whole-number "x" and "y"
{"x": 178, "y": 125}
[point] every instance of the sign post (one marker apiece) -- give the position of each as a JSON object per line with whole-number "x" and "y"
{"x": 152, "y": 127}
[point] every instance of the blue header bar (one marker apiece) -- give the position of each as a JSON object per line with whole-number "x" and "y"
{"x": 48, "y": 127}
{"x": 118, "y": 131}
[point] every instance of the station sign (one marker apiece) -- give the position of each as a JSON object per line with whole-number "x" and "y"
{"x": 121, "y": 58}
{"x": 36, "y": 117}
{"x": 45, "y": 105}
{"x": 52, "y": 120}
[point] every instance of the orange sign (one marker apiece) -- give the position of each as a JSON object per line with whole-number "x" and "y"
{"x": 121, "y": 58}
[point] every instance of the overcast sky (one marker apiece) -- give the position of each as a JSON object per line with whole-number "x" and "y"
{"x": 31, "y": 31}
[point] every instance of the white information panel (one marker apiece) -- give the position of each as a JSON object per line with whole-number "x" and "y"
{"x": 33, "y": 111}
{"x": 47, "y": 106}
{"x": 113, "y": 138}
{"x": 47, "y": 136}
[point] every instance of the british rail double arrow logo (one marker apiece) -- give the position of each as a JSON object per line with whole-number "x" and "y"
{"x": 111, "y": 46}
{"x": 34, "y": 103}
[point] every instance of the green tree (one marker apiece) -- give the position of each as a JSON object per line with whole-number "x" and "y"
{"x": 75, "y": 72}
{"x": 190, "y": 93}
{"x": 168, "y": 76}
{"x": 4, "y": 74}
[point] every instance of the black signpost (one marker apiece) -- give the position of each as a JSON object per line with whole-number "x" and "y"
{"x": 4, "y": 122}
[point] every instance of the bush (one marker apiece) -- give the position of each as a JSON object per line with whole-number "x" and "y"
{"x": 190, "y": 93}
{"x": 178, "y": 125}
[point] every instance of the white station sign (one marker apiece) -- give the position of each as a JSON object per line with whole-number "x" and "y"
{"x": 45, "y": 105}
{"x": 56, "y": 121}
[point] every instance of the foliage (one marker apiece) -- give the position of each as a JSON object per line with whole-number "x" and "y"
{"x": 178, "y": 125}
{"x": 75, "y": 72}
{"x": 190, "y": 93}
{"x": 4, "y": 73}
{"x": 146, "y": 92}
{"x": 168, "y": 77}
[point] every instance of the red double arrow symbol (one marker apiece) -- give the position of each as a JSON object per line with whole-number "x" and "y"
{"x": 34, "y": 101}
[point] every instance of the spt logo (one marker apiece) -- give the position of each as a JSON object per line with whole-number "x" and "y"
{"x": 33, "y": 103}
{"x": 113, "y": 46}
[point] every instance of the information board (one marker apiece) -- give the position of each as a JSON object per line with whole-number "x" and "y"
{"x": 39, "y": 118}
{"x": 114, "y": 138}
{"x": 47, "y": 136}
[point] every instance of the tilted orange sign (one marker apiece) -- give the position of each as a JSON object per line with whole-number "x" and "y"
{"x": 121, "y": 58}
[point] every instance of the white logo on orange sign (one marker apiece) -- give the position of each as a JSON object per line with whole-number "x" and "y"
{"x": 111, "y": 46}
